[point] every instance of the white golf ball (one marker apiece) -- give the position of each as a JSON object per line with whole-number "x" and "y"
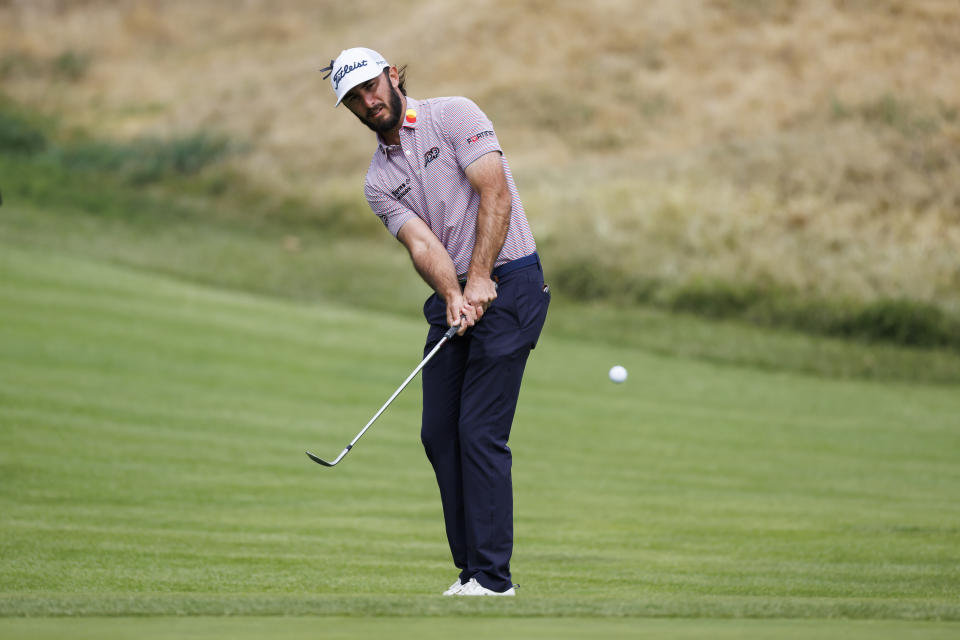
{"x": 618, "y": 374}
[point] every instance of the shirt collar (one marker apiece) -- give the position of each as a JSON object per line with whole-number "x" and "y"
{"x": 410, "y": 119}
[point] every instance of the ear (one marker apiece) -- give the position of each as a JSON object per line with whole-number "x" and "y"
{"x": 394, "y": 77}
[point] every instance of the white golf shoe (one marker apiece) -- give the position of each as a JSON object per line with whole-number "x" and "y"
{"x": 474, "y": 588}
{"x": 454, "y": 588}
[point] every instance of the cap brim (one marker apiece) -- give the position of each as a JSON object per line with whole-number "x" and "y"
{"x": 358, "y": 77}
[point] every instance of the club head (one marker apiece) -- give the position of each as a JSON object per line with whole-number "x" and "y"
{"x": 320, "y": 460}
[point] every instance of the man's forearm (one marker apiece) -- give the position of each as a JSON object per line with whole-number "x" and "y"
{"x": 434, "y": 265}
{"x": 493, "y": 220}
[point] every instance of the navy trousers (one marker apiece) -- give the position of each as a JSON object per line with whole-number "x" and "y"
{"x": 470, "y": 391}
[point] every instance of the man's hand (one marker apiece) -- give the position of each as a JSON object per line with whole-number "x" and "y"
{"x": 461, "y": 312}
{"x": 480, "y": 293}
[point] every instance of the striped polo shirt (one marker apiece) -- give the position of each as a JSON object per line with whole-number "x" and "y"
{"x": 424, "y": 176}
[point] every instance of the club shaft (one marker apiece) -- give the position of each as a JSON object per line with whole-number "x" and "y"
{"x": 449, "y": 334}
{"x": 397, "y": 392}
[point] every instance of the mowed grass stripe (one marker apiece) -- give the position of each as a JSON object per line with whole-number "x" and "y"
{"x": 530, "y": 628}
{"x": 554, "y": 610}
{"x": 152, "y": 459}
{"x": 224, "y": 345}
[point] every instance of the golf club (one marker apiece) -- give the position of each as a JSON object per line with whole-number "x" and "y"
{"x": 449, "y": 334}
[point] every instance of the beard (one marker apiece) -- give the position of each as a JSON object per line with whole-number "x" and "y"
{"x": 390, "y": 123}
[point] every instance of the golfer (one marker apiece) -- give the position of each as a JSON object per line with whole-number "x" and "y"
{"x": 440, "y": 184}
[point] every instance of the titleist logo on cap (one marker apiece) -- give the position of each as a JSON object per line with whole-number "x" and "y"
{"x": 344, "y": 70}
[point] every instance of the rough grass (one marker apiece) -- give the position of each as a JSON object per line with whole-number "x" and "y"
{"x": 247, "y": 241}
{"x": 807, "y": 147}
{"x": 170, "y": 206}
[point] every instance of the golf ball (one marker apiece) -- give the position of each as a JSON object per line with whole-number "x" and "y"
{"x": 618, "y": 374}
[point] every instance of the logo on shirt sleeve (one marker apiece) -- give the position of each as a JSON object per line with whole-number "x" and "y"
{"x": 402, "y": 190}
{"x": 430, "y": 156}
{"x": 477, "y": 136}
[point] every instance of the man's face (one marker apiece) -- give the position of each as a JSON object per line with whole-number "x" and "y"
{"x": 376, "y": 103}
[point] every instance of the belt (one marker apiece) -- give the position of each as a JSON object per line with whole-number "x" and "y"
{"x": 507, "y": 267}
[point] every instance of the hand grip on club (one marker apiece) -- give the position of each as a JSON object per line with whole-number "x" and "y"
{"x": 452, "y": 331}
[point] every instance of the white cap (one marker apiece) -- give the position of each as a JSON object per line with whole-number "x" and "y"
{"x": 352, "y": 67}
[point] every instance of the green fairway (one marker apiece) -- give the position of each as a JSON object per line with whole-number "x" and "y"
{"x": 416, "y": 628}
{"x": 151, "y": 451}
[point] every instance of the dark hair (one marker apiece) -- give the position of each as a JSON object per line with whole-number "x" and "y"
{"x": 402, "y": 72}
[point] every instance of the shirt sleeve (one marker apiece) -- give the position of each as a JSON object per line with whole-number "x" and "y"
{"x": 392, "y": 213}
{"x": 469, "y": 131}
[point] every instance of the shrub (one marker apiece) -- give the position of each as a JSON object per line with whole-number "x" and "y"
{"x": 715, "y": 299}
{"x": 896, "y": 321}
{"x": 901, "y": 322}
{"x": 148, "y": 159}
{"x": 17, "y": 134}
{"x": 70, "y": 65}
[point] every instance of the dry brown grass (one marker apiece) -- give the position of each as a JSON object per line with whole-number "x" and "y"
{"x": 814, "y": 145}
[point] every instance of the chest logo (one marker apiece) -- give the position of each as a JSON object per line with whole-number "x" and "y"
{"x": 430, "y": 156}
{"x": 411, "y": 116}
